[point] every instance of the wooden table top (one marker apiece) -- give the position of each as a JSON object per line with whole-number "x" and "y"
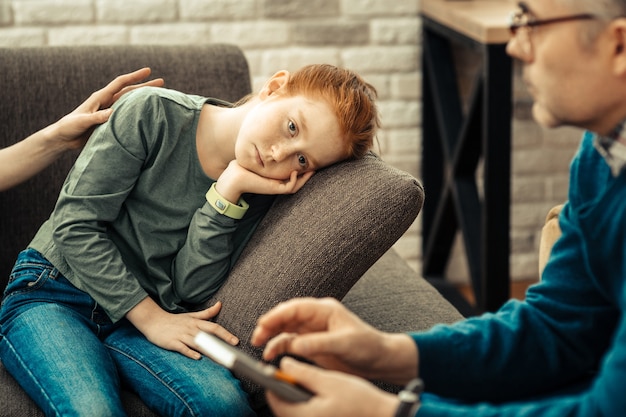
{"x": 485, "y": 21}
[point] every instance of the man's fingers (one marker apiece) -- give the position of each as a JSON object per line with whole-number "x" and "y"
{"x": 310, "y": 345}
{"x": 304, "y": 373}
{"x": 278, "y": 345}
{"x": 299, "y": 315}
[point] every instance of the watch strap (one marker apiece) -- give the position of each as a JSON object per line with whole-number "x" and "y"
{"x": 410, "y": 398}
{"x": 225, "y": 207}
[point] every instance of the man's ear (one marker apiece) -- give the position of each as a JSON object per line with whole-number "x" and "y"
{"x": 274, "y": 84}
{"x": 618, "y": 34}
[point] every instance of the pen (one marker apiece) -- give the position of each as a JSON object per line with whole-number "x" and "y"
{"x": 278, "y": 374}
{"x": 264, "y": 374}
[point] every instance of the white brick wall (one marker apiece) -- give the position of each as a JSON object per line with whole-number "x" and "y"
{"x": 54, "y": 12}
{"x": 136, "y": 11}
{"x": 378, "y": 38}
{"x": 217, "y": 9}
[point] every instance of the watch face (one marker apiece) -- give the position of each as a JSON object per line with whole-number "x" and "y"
{"x": 220, "y": 204}
{"x": 410, "y": 398}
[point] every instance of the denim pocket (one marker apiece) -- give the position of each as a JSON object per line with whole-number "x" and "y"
{"x": 31, "y": 272}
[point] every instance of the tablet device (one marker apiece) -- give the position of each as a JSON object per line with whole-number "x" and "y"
{"x": 264, "y": 374}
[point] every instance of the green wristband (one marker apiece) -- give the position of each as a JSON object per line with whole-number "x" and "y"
{"x": 225, "y": 207}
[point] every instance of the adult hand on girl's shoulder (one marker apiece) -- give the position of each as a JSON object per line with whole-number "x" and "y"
{"x": 73, "y": 130}
{"x": 176, "y": 332}
{"x": 237, "y": 180}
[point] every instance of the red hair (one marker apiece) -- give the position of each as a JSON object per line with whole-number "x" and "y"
{"x": 351, "y": 98}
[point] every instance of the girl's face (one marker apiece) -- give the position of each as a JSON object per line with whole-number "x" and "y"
{"x": 282, "y": 134}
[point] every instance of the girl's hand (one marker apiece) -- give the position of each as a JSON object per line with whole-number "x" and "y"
{"x": 176, "y": 332}
{"x": 236, "y": 180}
{"x": 336, "y": 394}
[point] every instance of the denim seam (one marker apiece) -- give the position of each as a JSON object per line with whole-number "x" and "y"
{"x": 154, "y": 375}
{"x": 32, "y": 286}
{"x": 93, "y": 314}
{"x": 30, "y": 375}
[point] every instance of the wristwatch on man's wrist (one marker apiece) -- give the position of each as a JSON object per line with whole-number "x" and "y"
{"x": 410, "y": 398}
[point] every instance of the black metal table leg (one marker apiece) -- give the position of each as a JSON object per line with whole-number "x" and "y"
{"x": 454, "y": 144}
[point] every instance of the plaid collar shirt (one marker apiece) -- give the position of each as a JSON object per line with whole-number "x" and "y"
{"x": 613, "y": 148}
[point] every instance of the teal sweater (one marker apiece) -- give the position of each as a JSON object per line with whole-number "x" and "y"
{"x": 132, "y": 220}
{"x": 562, "y": 352}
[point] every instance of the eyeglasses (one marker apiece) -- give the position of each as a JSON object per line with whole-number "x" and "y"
{"x": 522, "y": 21}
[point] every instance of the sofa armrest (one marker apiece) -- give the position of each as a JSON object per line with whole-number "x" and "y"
{"x": 403, "y": 300}
{"x": 319, "y": 241}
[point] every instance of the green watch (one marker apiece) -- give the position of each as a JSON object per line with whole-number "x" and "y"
{"x": 225, "y": 207}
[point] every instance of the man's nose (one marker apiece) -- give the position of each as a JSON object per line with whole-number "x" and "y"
{"x": 513, "y": 48}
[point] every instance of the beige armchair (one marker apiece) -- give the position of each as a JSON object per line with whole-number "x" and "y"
{"x": 549, "y": 234}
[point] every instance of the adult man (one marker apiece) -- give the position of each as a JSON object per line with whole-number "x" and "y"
{"x": 561, "y": 352}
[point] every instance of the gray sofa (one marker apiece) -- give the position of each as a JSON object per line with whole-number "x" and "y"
{"x": 333, "y": 238}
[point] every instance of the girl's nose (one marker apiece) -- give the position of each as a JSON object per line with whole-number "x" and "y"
{"x": 280, "y": 151}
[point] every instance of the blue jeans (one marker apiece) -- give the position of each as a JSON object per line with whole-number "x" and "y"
{"x": 72, "y": 360}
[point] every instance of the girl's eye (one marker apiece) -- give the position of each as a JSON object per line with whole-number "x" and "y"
{"x": 293, "y": 129}
{"x": 302, "y": 161}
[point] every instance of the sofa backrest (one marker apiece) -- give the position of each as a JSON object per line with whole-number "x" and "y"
{"x": 40, "y": 85}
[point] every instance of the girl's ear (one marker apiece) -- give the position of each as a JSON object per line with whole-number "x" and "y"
{"x": 275, "y": 83}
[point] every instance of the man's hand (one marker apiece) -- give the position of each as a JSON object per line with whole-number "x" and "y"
{"x": 336, "y": 394}
{"x": 324, "y": 331}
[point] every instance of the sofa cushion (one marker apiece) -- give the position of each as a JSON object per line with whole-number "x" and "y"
{"x": 319, "y": 241}
{"x": 394, "y": 298}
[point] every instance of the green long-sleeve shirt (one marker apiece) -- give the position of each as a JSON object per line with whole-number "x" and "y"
{"x": 132, "y": 220}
